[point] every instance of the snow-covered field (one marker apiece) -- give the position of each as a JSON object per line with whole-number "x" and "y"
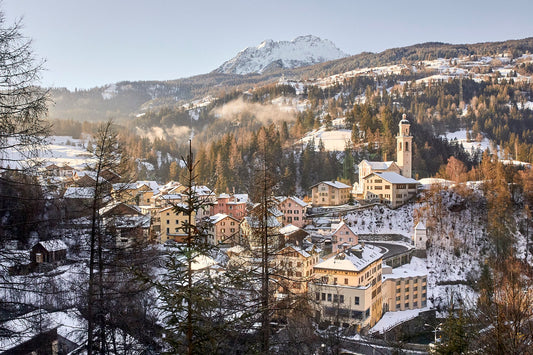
{"x": 61, "y": 150}
{"x": 470, "y": 145}
{"x": 334, "y": 140}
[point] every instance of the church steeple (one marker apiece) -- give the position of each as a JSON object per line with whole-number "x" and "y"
{"x": 404, "y": 147}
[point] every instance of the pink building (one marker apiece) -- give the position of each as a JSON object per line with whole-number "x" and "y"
{"x": 293, "y": 210}
{"x": 223, "y": 229}
{"x": 343, "y": 237}
{"x": 231, "y": 205}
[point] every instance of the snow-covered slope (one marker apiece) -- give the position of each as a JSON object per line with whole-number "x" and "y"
{"x": 301, "y": 51}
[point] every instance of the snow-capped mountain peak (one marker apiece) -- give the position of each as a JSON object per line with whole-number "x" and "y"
{"x": 301, "y": 51}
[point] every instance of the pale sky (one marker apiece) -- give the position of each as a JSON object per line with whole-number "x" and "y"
{"x": 88, "y": 43}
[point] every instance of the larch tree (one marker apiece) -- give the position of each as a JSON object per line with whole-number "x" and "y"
{"x": 24, "y": 130}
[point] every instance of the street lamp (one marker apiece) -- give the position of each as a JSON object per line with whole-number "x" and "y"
{"x": 435, "y": 328}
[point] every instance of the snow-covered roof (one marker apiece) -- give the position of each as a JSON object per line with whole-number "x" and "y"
{"x": 294, "y": 198}
{"x": 124, "y": 186}
{"x": 353, "y": 259}
{"x": 171, "y": 197}
{"x": 134, "y": 209}
{"x": 289, "y": 229}
{"x": 79, "y": 192}
{"x": 340, "y": 225}
{"x": 53, "y": 244}
{"x": 237, "y": 249}
{"x": 299, "y": 250}
{"x": 202, "y": 262}
{"x": 171, "y": 207}
{"x": 420, "y": 225}
{"x": 335, "y": 184}
{"x": 378, "y": 165}
{"x": 202, "y": 190}
{"x": 241, "y": 198}
{"x": 154, "y": 186}
{"x": 413, "y": 269}
{"x": 435, "y": 181}
{"x": 217, "y": 217}
{"x": 394, "y": 178}
{"x": 254, "y": 222}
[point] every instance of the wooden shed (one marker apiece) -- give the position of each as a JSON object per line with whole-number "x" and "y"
{"x": 48, "y": 251}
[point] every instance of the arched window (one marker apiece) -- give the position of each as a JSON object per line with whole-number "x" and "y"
{"x": 406, "y": 146}
{"x": 400, "y": 146}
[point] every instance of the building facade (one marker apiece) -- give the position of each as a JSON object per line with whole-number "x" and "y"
{"x": 330, "y": 193}
{"x": 347, "y": 287}
{"x": 390, "y": 188}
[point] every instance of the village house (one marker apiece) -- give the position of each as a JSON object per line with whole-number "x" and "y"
{"x": 404, "y": 288}
{"x": 167, "y": 224}
{"x": 390, "y": 188}
{"x": 234, "y": 205}
{"x": 78, "y": 201}
{"x": 293, "y": 235}
{"x": 64, "y": 171}
{"x": 294, "y": 210}
{"x": 48, "y": 251}
{"x": 252, "y": 230}
{"x": 347, "y": 287}
{"x": 207, "y": 198}
{"x": 126, "y": 223}
{"x": 343, "y": 237}
{"x": 294, "y": 268}
{"x": 330, "y": 193}
{"x": 224, "y": 229}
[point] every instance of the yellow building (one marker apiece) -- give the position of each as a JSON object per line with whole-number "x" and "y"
{"x": 347, "y": 287}
{"x": 168, "y": 225}
{"x": 294, "y": 268}
{"x": 330, "y": 193}
{"x": 404, "y": 288}
{"x": 391, "y": 188}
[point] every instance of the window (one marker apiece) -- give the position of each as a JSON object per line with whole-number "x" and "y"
{"x": 407, "y": 289}
{"x": 346, "y": 281}
{"x": 341, "y": 298}
{"x": 323, "y": 296}
{"x": 168, "y": 221}
{"x": 406, "y": 304}
{"x": 329, "y": 297}
{"x": 356, "y": 300}
{"x": 335, "y": 298}
{"x": 334, "y": 280}
{"x": 415, "y": 304}
{"x": 397, "y": 298}
{"x": 357, "y": 315}
{"x": 318, "y": 296}
{"x": 177, "y": 221}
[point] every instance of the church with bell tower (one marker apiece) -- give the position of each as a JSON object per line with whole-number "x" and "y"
{"x": 390, "y": 182}
{"x": 404, "y": 147}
